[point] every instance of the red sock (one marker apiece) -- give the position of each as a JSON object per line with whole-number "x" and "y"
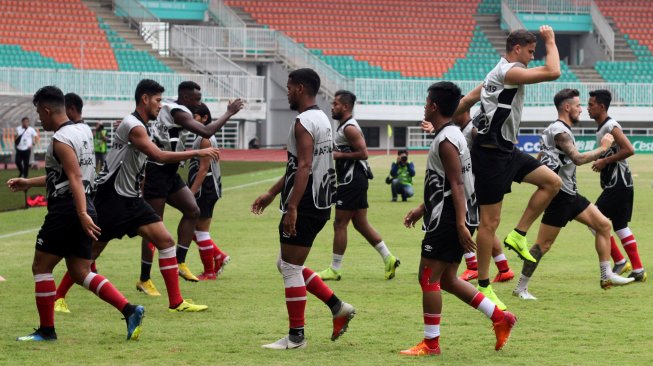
{"x": 615, "y": 253}
{"x": 64, "y": 286}
{"x": 104, "y": 290}
{"x": 316, "y": 286}
{"x": 296, "y": 305}
{"x": 170, "y": 273}
{"x": 487, "y": 307}
{"x": 206, "y": 254}
{"x": 151, "y": 247}
{"x": 216, "y": 250}
{"x": 501, "y": 262}
{"x": 630, "y": 246}
{"x": 93, "y": 267}
{"x": 470, "y": 261}
{"x": 45, "y": 289}
{"x": 431, "y": 328}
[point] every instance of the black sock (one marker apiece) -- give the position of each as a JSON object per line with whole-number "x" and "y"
{"x": 146, "y": 268}
{"x": 128, "y": 310}
{"x": 484, "y": 283}
{"x": 181, "y": 254}
{"x": 522, "y": 233}
{"x": 46, "y": 331}
{"x": 334, "y": 304}
{"x": 296, "y": 334}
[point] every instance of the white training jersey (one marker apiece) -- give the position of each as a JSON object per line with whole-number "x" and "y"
{"x": 168, "y": 135}
{"x": 79, "y": 137}
{"x": 438, "y": 202}
{"x": 214, "y": 168}
{"x": 501, "y": 108}
{"x": 615, "y": 174}
{"x": 124, "y": 161}
{"x": 467, "y": 132}
{"x": 321, "y": 187}
{"x": 348, "y": 170}
{"x": 556, "y": 159}
{"x": 27, "y": 136}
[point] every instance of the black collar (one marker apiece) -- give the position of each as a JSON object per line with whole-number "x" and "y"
{"x": 314, "y": 106}
{"x": 450, "y": 123}
{"x": 602, "y": 123}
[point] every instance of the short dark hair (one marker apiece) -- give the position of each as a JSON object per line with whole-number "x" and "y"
{"x": 402, "y": 151}
{"x": 185, "y": 86}
{"x": 149, "y": 87}
{"x": 563, "y": 95}
{"x": 602, "y": 96}
{"x": 50, "y": 95}
{"x": 446, "y": 95}
{"x": 520, "y": 37}
{"x": 203, "y": 111}
{"x": 346, "y": 97}
{"x": 308, "y": 78}
{"x": 24, "y": 118}
{"x": 74, "y": 100}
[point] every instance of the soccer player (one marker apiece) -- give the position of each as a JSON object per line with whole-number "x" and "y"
{"x": 205, "y": 183}
{"x": 119, "y": 202}
{"x": 559, "y": 153}
{"x": 162, "y": 182}
{"x": 74, "y": 105}
{"x": 70, "y": 223}
{"x": 450, "y": 214}
{"x": 352, "y": 172}
{"x": 496, "y": 161}
{"x": 307, "y": 189}
{"x": 616, "y": 200}
{"x": 464, "y": 121}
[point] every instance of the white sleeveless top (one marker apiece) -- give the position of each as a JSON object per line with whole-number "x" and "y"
{"x": 348, "y": 170}
{"x": 556, "y": 159}
{"x": 615, "y": 174}
{"x": 168, "y": 135}
{"x": 214, "y": 168}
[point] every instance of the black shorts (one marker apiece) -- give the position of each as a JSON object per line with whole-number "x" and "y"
{"x": 206, "y": 200}
{"x": 62, "y": 235}
{"x": 442, "y": 244}
{"x": 161, "y": 180}
{"x": 120, "y": 216}
{"x": 351, "y": 197}
{"x": 307, "y": 228}
{"x": 564, "y": 208}
{"x": 617, "y": 205}
{"x": 495, "y": 170}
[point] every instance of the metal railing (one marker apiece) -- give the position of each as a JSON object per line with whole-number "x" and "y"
{"x": 250, "y": 43}
{"x": 550, "y": 6}
{"x": 199, "y": 55}
{"x": 224, "y": 15}
{"x": 509, "y": 17}
{"x": 120, "y": 85}
{"x": 150, "y": 27}
{"x": 603, "y": 30}
{"x": 413, "y": 92}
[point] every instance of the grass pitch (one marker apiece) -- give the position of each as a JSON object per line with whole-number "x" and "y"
{"x": 574, "y": 322}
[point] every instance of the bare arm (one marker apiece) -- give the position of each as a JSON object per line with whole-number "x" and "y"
{"x": 413, "y": 216}
{"x": 626, "y": 150}
{"x": 549, "y": 72}
{"x": 138, "y": 136}
{"x": 23, "y": 184}
{"x": 469, "y": 100}
{"x": 453, "y": 172}
{"x": 70, "y": 165}
{"x": 563, "y": 142}
{"x": 305, "y": 146}
{"x": 203, "y": 169}
{"x": 186, "y": 120}
{"x": 266, "y": 198}
{"x": 357, "y": 143}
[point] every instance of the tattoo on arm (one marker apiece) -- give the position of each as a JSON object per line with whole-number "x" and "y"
{"x": 563, "y": 142}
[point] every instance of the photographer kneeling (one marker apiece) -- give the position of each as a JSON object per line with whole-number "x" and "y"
{"x": 401, "y": 177}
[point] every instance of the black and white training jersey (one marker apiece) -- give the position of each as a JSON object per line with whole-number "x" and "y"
{"x": 616, "y": 174}
{"x": 124, "y": 163}
{"x": 438, "y": 202}
{"x": 467, "y": 132}
{"x": 321, "y": 187}
{"x": 214, "y": 168}
{"x": 349, "y": 171}
{"x": 168, "y": 135}
{"x": 556, "y": 159}
{"x": 80, "y": 138}
{"x": 501, "y": 108}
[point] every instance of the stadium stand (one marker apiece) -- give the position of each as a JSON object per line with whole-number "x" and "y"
{"x": 633, "y": 19}
{"x": 81, "y": 40}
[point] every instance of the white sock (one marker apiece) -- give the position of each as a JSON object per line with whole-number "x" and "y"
{"x": 336, "y": 262}
{"x": 605, "y": 270}
{"x": 382, "y": 249}
{"x": 499, "y": 258}
{"x": 522, "y": 285}
{"x": 621, "y": 262}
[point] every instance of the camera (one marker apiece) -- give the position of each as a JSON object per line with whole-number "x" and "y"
{"x": 404, "y": 158}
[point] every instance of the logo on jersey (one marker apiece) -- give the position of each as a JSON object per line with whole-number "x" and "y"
{"x": 428, "y": 248}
